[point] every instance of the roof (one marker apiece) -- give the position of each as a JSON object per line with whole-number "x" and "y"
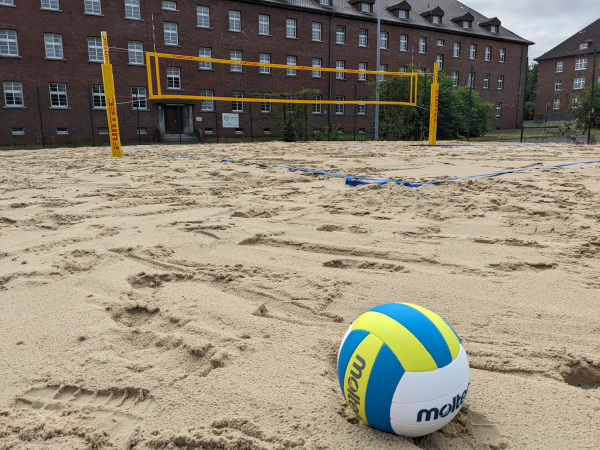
{"x": 453, "y": 9}
{"x": 571, "y": 46}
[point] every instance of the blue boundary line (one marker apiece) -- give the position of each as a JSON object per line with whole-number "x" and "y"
{"x": 353, "y": 180}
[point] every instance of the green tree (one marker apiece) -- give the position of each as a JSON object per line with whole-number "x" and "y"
{"x": 297, "y": 113}
{"x": 581, "y": 110}
{"x": 289, "y": 131}
{"x": 530, "y": 91}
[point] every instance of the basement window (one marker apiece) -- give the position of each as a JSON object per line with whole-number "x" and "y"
{"x": 17, "y": 131}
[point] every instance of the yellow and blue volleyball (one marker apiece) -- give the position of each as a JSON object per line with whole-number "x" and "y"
{"x": 403, "y": 369}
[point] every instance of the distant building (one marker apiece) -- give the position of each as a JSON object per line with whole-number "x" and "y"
{"x": 564, "y": 71}
{"x": 50, "y": 56}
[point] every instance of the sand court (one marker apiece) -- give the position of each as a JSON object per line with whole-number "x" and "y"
{"x": 154, "y": 301}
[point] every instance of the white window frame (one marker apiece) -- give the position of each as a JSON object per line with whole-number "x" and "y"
{"x": 488, "y": 54}
{"x": 382, "y": 68}
{"x": 316, "y": 32}
{"x": 58, "y": 96}
{"x": 340, "y": 34}
{"x": 132, "y": 9}
{"x": 317, "y": 108}
{"x": 9, "y": 45}
{"x": 135, "y": 53}
{"x": 205, "y": 52}
{"x": 235, "y": 55}
{"x": 53, "y": 46}
{"x": 437, "y": 20}
{"x": 171, "y": 33}
{"x": 441, "y": 43}
{"x": 203, "y": 16}
{"x": 361, "y": 108}
{"x": 466, "y": 24}
{"x": 52, "y": 5}
{"x": 168, "y": 5}
{"x": 557, "y": 85}
{"x": 291, "y": 28}
{"x": 502, "y": 55}
{"x": 264, "y": 25}
{"x": 139, "y": 98}
{"x": 499, "y": 109}
{"x": 556, "y": 104}
{"x": 365, "y": 7}
{"x": 559, "y": 66}
{"x": 473, "y": 51}
{"x": 95, "y": 50}
{"x": 264, "y": 58}
{"x": 207, "y": 105}
{"x": 500, "y": 82}
{"x": 422, "y": 45}
{"x": 317, "y": 62}
{"x": 403, "y": 14}
{"x": 340, "y": 65}
{"x": 340, "y": 109}
{"x": 583, "y": 45}
{"x": 493, "y": 28}
{"x": 384, "y": 39}
{"x": 440, "y": 60}
{"x": 291, "y": 61}
{"x": 266, "y": 107}
{"x": 237, "y": 105}
{"x": 173, "y": 78}
{"x": 13, "y": 94}
{"x": 363, "y": 37}
{"x": 235, "y": 21}
{"x": 7, "y": 3}
{"x": 93, "y": 7}
{"x": 581, "y": 64}
{"x": 362, "y": 76}
{"x": 471, "y": 80}
{"x": 404, "y": 42}
{"x": 455, "y": 75}
{"x": 456, "y": 50}
{"x": 579, "y": 83}
{"x": 98, "y": 98}
{"x": 486, "y": 81}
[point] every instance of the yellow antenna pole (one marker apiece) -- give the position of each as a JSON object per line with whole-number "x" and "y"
{"x": 433, "y": 109}
{"x": 111, "y": 101}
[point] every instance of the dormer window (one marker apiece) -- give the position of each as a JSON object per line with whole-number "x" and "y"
{"x": 493, "y": 29}
{"x": 365, "y": 7}
{"x": 583, "y": 45}
{"x": 434, "y": 16}
{"x": 466, "y": 24}
{"x": 401, "y": 9}
{"x": 436, "y": 19}
{"x": 492, "y": 25}
{"x": 325, "y": 2}
{"x": 465, "y": 21}
{"x": 403, "y": 14}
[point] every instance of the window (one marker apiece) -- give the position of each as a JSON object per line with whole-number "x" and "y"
{"x": 502, "y": 55}
{"x": 382, "y": 68}
{"x": 138, "y": 98}
{"x": 132, "y": 9}
{"x": 340, "y": 65}
{"x": 556, "y": 103}
{"x": 290, "y": 28}
{"x": 403, "y": 14}
{"x": 493, "y": 28}
{"x": 440, "y": 60}
{"x": 340, "y": 34}
{"x": 50, "y": 4}
{"x": 456, "y": 51}
{"x": 17, "y": 131}
{"x": 365, "y": 7}
{"x": 316, "y": 31}
{"x": 455, "y": 78}
{"x": 98, "y": 99}
{"x": 486, "y": 81}
{"x": 265, "y": 107}
{"x": 583, "y": 46}
{"x": 557, "y": 85}
{"x": 559, "y": 66}
{"x": 62, "y": 130}
{"x": 466, "y": 24}
{"x": 436, "y": 19}
{"x": 581, "y": 64}
{"x": 498, "y": 109}
{"x": 92, "y": 7}
{"x": 471, "y": 82}
{"x": 173, "y": 78}
{"x": 488, "y": 54}
{"x": 171, "y": 36}
{"x": 169, "y": 6}
{"x": 500, "y": 82}
{"x": 7, "y": 3}
{"x": 317, "y": 107}
{"x": 579, "y": 83}
{"x": 13, "y": 94}
{"x": 574, "y": 102}
{"x": 316, "y": 62}
{"x": 362, "y": 76}
{"x": 205, "y": 52}
{"x": 236, "y": 55}
{"x": 361, "y": 108}
{"x": 339, "y": 107}
{"x": 325, "y": 2}
{"x": 473, "y": 51}
{"x": 264, "y": 58}
{"x": 53, "y": 44}
{"x": 403, "y": 42}
{"x": 292, "y": 61}
{"x": 58, "y": 95}
{"x": 8, "y": 43}
{"x": 136, "y": 52}
{"x": 237, "y": 105}
{"x": 440, "y": 43}
{"x": 205, "y": 104}
{"x": 362, "y": 37}
{"x": 235, "y": 20}
{"x": 203, "y": 16}
{"x": 263, "y": 25}
{"x": 422, "y": 45}
{"x": 95, "y": 52}
{"x": 383, "y": 40}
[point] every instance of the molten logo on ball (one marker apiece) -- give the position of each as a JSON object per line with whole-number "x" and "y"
{"x": 403, "y": 369}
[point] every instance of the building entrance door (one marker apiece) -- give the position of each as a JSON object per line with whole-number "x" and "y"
{"x": 173, "y": 119}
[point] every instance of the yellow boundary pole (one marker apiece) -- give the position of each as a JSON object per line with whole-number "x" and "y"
{"x": 433, "y": 110}
{"x": 111, "y": 102}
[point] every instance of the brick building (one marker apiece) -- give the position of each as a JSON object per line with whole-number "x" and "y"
{"x": 50, "y": 57}
{"x": 564, "y": 71}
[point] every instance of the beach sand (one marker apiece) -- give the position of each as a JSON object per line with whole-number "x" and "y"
{"x": 161, "y": 302}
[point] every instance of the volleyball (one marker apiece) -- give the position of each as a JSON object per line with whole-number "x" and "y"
{"x": 403, "y": 369}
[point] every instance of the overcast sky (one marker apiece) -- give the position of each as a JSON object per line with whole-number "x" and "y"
{"x": 545, "y": 22}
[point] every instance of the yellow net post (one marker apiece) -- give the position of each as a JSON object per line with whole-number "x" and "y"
{"x": 111, "y": 101}
{"x": 433, "y": 110}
